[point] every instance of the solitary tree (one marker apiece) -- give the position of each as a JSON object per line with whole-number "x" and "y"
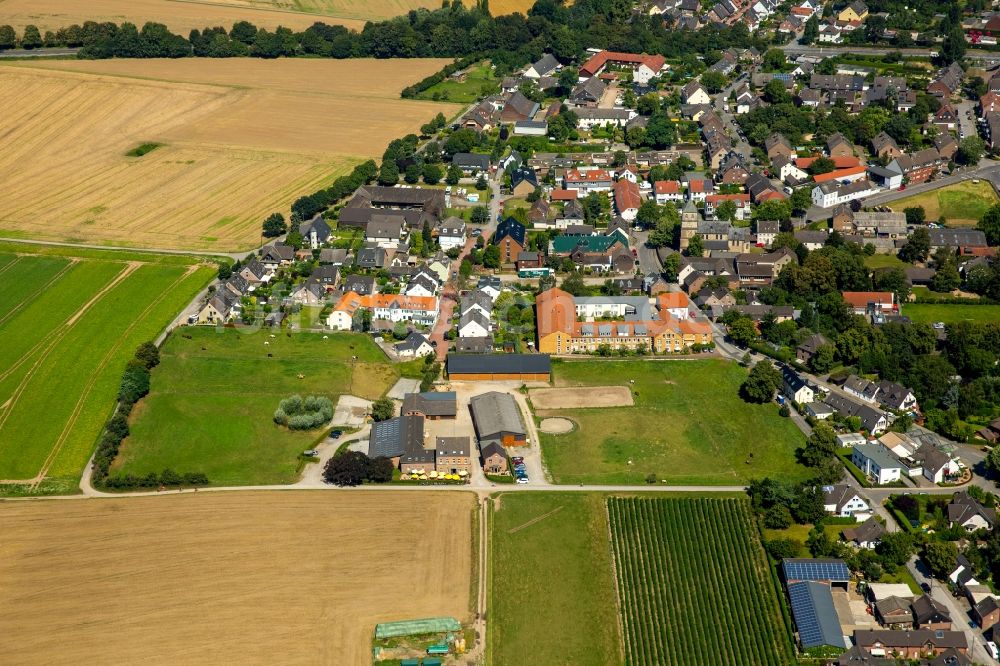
{"x": 762, "y": 383}
{"x": 382, "y": 409}
{"x": 274, "y": 225}
{"x": 348, "y": 469}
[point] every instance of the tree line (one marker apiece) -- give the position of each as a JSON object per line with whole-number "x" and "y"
{"x": 453, "y": 31}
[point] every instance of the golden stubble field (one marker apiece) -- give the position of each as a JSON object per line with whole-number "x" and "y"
{"x": 256, "y": 577}
{"x": 184, "y": 15}
{"x": 242, "y": 138}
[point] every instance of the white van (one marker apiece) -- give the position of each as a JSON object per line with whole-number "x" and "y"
{"x": 993, "y": 649}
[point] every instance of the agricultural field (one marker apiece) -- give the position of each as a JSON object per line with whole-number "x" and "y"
{"x": 961, "y": 204}
{"x": 951, "y": 313}
{"x": 240, "y": 139}
{"x": 693, "y": 584}
{"x": 184, "y": 16}
{"x": 688, "y": 426}
{"x": 248, "y": 577}
{"x": 548, "y": 604}
{"x": 213, "y": 395}
{"x": 68, "y": 325}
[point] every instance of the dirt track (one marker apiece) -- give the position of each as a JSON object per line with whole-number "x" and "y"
{"x": 256, "y": 577}
{"x": 576, "y": 398}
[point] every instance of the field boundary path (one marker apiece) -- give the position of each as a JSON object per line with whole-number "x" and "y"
{"x": 123, "y": 248}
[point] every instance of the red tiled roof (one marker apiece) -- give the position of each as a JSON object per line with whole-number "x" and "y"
{"x": 626, "y": 195}
{"x": 589, "y": 176}
{"x": 564, "y": 195}
{"x": 738, "y": 198}
{"x": 667, "y": 187}
{"x": 860, "y": 299}
{"x": 839, "y": 173}
{"x": 597, "y": 62}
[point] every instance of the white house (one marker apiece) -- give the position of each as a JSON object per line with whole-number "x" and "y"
{"x": 796, "y": 388}
{"x": 695, "y": 93}
{"x": 421, "y": 285}
{"x": 842, "y": 501}
{"x": 474, "y": 324}
{"x": 491, "y": 285}
{"x": 877, "y": 463}
{"x": 589, "y": 118}
{"x": 451, "y": 233}
{"x": 832, "y": 193}
{"x": 667, "y": 190}
{"x": 414, "y": 346}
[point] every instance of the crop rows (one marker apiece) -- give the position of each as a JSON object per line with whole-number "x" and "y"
{"x": 693, "y": 584}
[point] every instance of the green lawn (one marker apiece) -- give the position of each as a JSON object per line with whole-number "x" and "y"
{"x": 552, "y": 591}
{"x": 66, "y": 331}
{"x": 212, "y": 396}
{"x": 688, "y": 426}
{"x": 961, "y": 204}
{"x": 801, "y": 532}
{"x": 479, "y": 82}
{"x": 884, "y": 261}
{"x": 950, "y": 313}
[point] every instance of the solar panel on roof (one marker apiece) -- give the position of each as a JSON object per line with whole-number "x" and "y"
{"x": 816, "y": 570}
{"x": 815, "y": 615}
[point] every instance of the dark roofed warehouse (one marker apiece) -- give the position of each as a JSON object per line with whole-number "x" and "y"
{"x": 523, "y": 367}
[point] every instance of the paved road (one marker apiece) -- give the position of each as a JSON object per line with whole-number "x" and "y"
{"x": 720, "y": 102}
{"x": 828, "y": 51}
{"x": 40, "y": 53}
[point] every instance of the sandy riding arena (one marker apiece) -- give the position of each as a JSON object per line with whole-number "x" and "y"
{"x": 556, "y": 426}
{"x": 236, "y": 577}
{"x": 577, "y": 398}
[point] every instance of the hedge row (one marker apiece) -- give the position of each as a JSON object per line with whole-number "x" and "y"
{"x": 437, "y": 77}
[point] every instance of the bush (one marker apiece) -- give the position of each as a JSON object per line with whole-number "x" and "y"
{"x": 782, "y": 548}
{"x": 297, "y": 413}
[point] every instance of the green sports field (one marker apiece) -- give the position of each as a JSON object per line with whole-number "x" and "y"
{"x": 69, "y": 321}
{"x": 688, "y": 427}
{"x": 950, "y": 313}
{"x": 961, "y": 204}
{"x": 213, "y": 395}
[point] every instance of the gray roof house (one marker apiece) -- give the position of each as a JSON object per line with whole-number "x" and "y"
{"x": 471, "y": 162}
{"x": 393, "y": 437}
{"x": 431, "y": 404}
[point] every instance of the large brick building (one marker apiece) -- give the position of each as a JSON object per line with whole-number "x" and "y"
{"x": 630, "y": 322}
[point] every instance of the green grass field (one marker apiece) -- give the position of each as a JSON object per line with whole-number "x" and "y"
{"x": 688, "y": 426}
{"x": 884, "y": 261}
{"x": 212, "y": 397}
{"x": 950, "y": 313}
{"x": 694, "y": 585}
{"x": 68, "y": 325}
{"x": 480, "y": 81}
{"x": 961, "y": 204}
{"x": 552, "y": 593}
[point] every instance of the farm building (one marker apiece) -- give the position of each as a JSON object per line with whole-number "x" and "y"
{"x": 520, "y": 367}
{"x": 815, "y": 616}
{"x": 498, "y": 419}
{"x": 397, "y": 437}
{"x": 824, "y": 570}
{"x": 430, "y": 405}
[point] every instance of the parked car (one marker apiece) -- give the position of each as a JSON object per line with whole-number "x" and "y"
{"x": 311, "y": 453}
{"x": 994, "y": 652}
{"x": 517, "y": 460}
{"x": 522, "y": 479}
{"x": 334, "y": 434}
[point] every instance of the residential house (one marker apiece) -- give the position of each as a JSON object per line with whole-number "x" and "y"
{"x": 856, "y": 11}
{"x": 809, "y": 347}
{"x": 959, "y": 239}
{"x": 919, "y": 166}
{"x": 946, "y": 145}
{"x": 862, "y": 388}
{"x": 572, "y": 214}
{"x": 393, "y": 308}
{"x": 948, "y": 81}
{"x": 986, "y": 613}
{"x": 795, "y": 387}
{"x": 494, "y": 459}
{"x": 877, "y": 463}
{"x": 474, "y": 345}
{"x": 832, "y": 193}
{"x": 414, "y": 346}
{"x": 385, "y": 233}
{"x": 873, "y": 420}
{"x": 896, "y": 396}
{"x": 451, "y": 455}
{"x": 884, "y": 146}
{"x": 585, "y": 181}
{"x": 471, "y": 164}
{"x": 777, "y": 145}
{"x": 967, "y": 512}
{"x": 477, "y": 299}
{"x": 589, "y": 118}
{"x": 930, "y": 614}
{"x": 627, "y": 199}
{"x": 315, "y": 232}
{"x": 845, "y": 502}
{"x": 667, "y": 190}
{"x": 767, "y": 231}
{"x": 694, "y": 93}
{"x": 588, "y": 93}
{"x": 867, "y": 535}
{"x": 362, "y": 285}
{"x": 545, "y": 66}
{"x": 277, "y": 254}
{"x": 742, "y": 202}
{"x": 490, "y": 285}
{"x": 510, "y": 238}
{"x": 909, "y": 644}
{"x": 518, "y": 107}
{"x": 837, "y": 145}
{"x": 220, "y": 307}
{"x": 523, "y": 182}
{"x": 866, "y": 302}
{"x": 540, "y": 213}
{"x": 450, "y": 233}
{"x": 474, "y": 324}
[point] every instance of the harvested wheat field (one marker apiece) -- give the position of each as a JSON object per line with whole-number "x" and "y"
{"x": 179, "y": 15}
{"x": 578, "y": 398}
{"x": 241, "y": 138}
{"x": 262, "y": 578}
{"x": 370, "y": 10}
